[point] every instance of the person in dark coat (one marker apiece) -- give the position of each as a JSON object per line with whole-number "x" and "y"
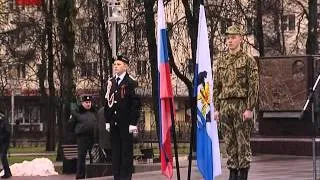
{"x": 84, "y": 126}
{"x": 5, "y": 134}
{"x": 122, "y": 111}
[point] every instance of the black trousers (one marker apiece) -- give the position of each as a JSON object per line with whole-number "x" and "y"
{"x": 122, "y": 154}
{"x": 85, "y": 144}
{"x": 4, "y": 159}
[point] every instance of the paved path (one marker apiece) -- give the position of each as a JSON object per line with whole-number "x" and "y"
{"x": 264, "y": 167}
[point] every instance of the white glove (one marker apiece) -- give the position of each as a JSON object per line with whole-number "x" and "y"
{"x": 108, "y": 127}
{"x": 133, "y": 129}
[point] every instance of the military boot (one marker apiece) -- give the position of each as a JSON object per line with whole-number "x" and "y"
{"x": 244, "y": 173}
{"x": 233, "y": 174}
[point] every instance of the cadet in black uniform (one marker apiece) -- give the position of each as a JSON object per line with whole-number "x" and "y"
{"x": 122, "y": 111}
{"x": 5, "y": 134}
{"x": 85, "y": 125}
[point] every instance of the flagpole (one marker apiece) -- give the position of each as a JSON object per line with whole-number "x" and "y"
{"x": 192, "y": 136}
{"x": 174, "y": 140}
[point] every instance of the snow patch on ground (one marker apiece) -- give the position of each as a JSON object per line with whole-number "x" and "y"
{"x": 36, "y": 167}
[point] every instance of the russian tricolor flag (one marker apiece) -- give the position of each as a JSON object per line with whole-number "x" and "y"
{"x": 208, "y": 151}
{"x": 165, "y": 95}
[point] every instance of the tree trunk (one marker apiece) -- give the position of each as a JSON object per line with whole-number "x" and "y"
{"x": 192, "y": 23}
{"x": 152, "y": 47}
{"x": 66, "y": 13}
{"x": 282, "y": 30}
{"x": 311, "y": 45}
{"x": 48, "y": 111}
{"x": 51, "y": 133}
{"x": 259, "y": 33}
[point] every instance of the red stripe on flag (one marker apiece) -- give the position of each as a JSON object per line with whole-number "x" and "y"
{"x": 29, "y": 2}
{"x": 166, "y": 154}
{"x": 165, "y": 81}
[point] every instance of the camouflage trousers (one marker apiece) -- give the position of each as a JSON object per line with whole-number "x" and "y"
{"x": 236, "y": 133}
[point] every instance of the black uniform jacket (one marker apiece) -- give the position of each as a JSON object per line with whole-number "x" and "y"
{"x": 5, "y": 133}
{"x": 125, "y": 109}
{"x": 84, "y": 122}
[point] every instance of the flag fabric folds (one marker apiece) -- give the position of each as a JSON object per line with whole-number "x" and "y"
{"x": 29, "y": 2}
{"x": 208, "y": 151}
{"x": 165, "y": 95}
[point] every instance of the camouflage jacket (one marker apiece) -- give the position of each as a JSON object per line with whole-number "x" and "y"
{"x": 236, "y": 76}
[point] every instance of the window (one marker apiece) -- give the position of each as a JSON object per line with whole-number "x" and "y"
{"x": 190, "y": 66}
{"x": 89, "y": 69}
{"x": 26, "y": 114}
{"x": 17, "y": 70}
{"x": 91, "y": 3}
{"x": 250, "y": 25}
{"x": 141, "y": 67}
{"x": 169, "y": 28}
{"x": 139, "y": 2}
{"x": 83, "y": 69}
{"x": 87, "y": 34}
{"x": 12, "y": 4}
{"x": 288, "y": 23}
{"x": 32, "y": 114}
{"x": 22, "y": 36}
{"x": 140, "y": 31}
{"x": 269, "y": 5}
{"x": 19, "y": 114}
{"x": 21, "y": 70}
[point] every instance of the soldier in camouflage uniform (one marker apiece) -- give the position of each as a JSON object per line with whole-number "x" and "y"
{"x": 235, "y": 95}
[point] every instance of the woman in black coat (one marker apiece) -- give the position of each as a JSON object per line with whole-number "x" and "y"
{"x": 5, "y": 134}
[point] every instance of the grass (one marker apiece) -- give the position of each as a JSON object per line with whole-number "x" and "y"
{"x": 19, "y": 159}
{"x": 27, "y": 149}
{"x": 20, "y": 150}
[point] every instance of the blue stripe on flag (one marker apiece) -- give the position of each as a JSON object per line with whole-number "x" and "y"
{"x": 163, "y": 46}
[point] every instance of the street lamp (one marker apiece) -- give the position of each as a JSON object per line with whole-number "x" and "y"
{"x": 14, "y": 91}
{"x": 114, "y": 16}
{"x": 12, "y": 109}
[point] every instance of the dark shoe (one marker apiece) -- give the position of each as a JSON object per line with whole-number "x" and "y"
{"x": 244, "y": 173}
{"x": 233, "y": 174}
{"x": 6, "y": 176}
